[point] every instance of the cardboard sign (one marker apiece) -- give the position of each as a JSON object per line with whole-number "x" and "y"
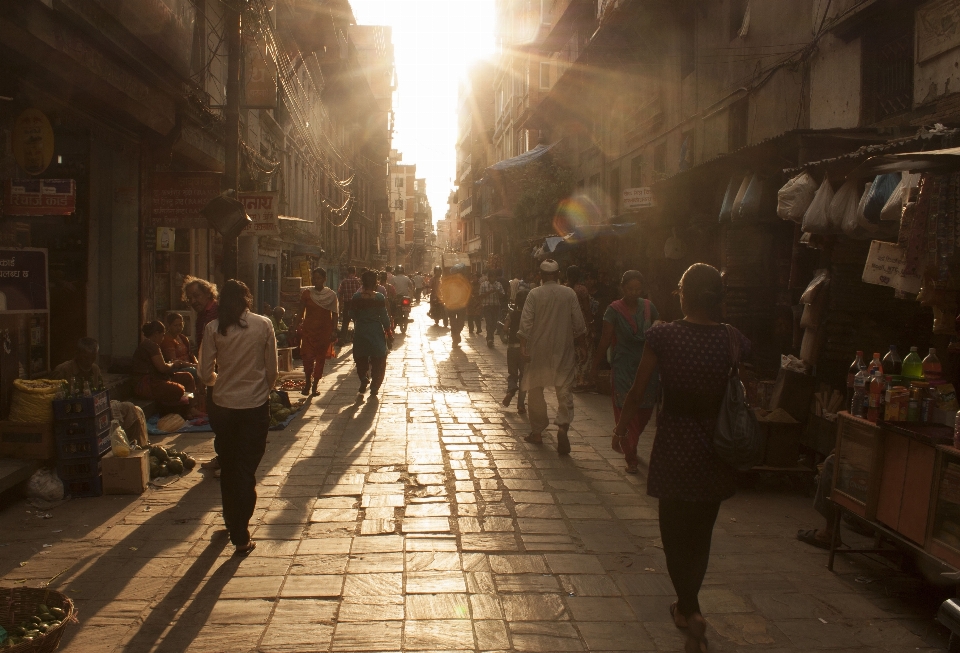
{"x": 884, "y": 267}
{"x": 637, "y": 198}
{"x": 23, "y": 280}
{"x": 262, "y": 209}
{"x": 177, "y": 198}
{"x": 39, "y": 197}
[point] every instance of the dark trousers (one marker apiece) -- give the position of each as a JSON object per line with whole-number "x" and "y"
{"x": 491, "y": 315}
{"x": 241, "y": 439}
{"x": 686, "y": 528}
{"x": 457, "y": 319}
{"x": 376, "y": 366}
{"x": 475, "y": 323}
{"x": 515, "y": 365}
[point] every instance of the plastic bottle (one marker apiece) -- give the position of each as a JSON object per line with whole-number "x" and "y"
{"x": 875, "y": 398}
{"x": 912, "y": 366}
{"x": 875, "y": 365}
{"x": 857, "y": 365}
{"x": 86, "y": 389}
{"x": 932, "y": 371}
{"x": 892, "y": 363}
{"x": 859, "y": 393}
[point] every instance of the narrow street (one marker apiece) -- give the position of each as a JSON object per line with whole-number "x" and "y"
{"x": 422, "y": 522}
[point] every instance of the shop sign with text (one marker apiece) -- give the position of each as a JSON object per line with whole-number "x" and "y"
{"x": 177, "y": 198}
{"x": 23, "y": 280}
{"x": 39, "y": 197}
{"x": 637, "y": 198}
{"x": 262, "y": 209}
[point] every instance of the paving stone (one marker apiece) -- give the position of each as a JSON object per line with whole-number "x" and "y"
{"x": 372, "y": 584}
{"x": 589, "y": 585}
{"x": 361, "y": 608}
{"x": 368, "y": 636}
{"x": 518, "y": 564}
{"x": 533, "y": 607}
{"x": 526, "y": 583}
{"x": 454, "y": 634}
{"x": 615, "y": 636}
{"x": 564, "y": 563}
{"x": 312, "y": 586}
{"x": 437, "y": 606}
{"x": 544, "y": 636}
{"x": 432, "y": 582}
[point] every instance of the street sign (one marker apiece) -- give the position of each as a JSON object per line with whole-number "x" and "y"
{"x": 637, "y": 198}
{"x": 262, "y": 209}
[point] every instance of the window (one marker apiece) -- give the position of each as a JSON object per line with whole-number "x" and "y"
{"x": 545, "y": 75}
{"x": 399, "y": 182}
{"x": 688, "y": 40}
{"x": 887, "y": 69}
{"x": 615, "y": 190}
{"x": 398, "y": 204}
{"x": 738, "y": 11}
{"x": 660, "y": 159}
{"x": 738, "y": 124}
{"x": 636, "y": 171}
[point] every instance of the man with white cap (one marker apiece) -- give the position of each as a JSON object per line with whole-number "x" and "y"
{"x": 550, "y": 324}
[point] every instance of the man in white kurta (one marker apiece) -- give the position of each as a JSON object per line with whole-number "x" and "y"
{"x": 550, "y": 323}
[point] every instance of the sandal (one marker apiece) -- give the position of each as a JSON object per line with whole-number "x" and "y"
{"x": 245, "y": 550}
{"x": 676, "y": 616}
{"x": 809, "y": 536}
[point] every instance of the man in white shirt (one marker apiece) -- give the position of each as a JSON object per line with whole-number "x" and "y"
{"x": 418, "y": 283}
{"x": 238, "y": 359}
{"x": 402, "y": 283}
{"x": 550, "y": 324}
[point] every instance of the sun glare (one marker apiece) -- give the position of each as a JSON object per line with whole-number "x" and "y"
{"x": 435, "y": 41}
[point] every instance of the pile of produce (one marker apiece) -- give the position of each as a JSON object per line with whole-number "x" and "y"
{"x": 291, "y": 384}
{"x": 281, "y": 408}
{"x": 45, "y": 620}
{"x": 167, "y": 461}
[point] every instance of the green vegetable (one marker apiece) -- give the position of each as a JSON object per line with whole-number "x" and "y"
{"x": 160, "y": 453}
{"x": 188, "y": 462}
{"x": 58, "y": 613}
{"x": 175, "y": 466}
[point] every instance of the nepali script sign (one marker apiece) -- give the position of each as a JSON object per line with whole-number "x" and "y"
{"x": 884, "y": 267}
{"x": 637, "y": 198}
{"x": 39, "y": 197}
{"x": 262, "y": 209}
{"x": 23, "y": 280}
{"x": 177, "y": 198}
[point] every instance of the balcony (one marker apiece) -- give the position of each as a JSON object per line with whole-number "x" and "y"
{"x": 466, "y": 207}
{"x": 474, "y": 244}
{"x": 464, "y": 167}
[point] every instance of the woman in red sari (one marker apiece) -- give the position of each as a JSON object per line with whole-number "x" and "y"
{"x": 318, "y": 321}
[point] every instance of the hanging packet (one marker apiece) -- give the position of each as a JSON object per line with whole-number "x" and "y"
{"x": 750, "y": 205}
{"x": 795, "y": 197}
{"x": 842, "y": 212}
{"x": 815, "y": 219}
{"x": 726, "y": 207}
{"x": 883, "y": 186}
{"x": 738, "y": 201}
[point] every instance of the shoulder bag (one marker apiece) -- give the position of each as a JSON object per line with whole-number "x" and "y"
{"x": 738, "y": 439}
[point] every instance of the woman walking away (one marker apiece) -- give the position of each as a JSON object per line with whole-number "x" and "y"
{"x": 319, "y": 312}
{"x": 371, "y": 333}
{"x": 694, "y": 359}
{"x": 238, "y": 358}
{"x": 625, "y": 324}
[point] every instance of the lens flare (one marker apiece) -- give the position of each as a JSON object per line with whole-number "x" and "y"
{"x": 455, "y": 291}
{"x": 573, "y": 214}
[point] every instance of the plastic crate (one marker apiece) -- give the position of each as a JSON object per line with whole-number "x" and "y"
{"x": 77, "y": 427}
{"x": 74, "y": 468}
{"x": 84, "y": 446}
{"x": 82, "y": 406}
{"x": 92, "y": 486}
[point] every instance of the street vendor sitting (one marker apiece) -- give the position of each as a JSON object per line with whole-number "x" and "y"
{"x": 162, "y": 381}
{"x": 279, "y": 326}
{"x": 176, "y": 347}
{"x": 84, "y": 368}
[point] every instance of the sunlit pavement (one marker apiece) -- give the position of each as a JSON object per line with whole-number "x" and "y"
{"x": 423, "y": 522}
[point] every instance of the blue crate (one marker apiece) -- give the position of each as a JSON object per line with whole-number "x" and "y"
{"x": 80, "y": 427}
{"x": 82, "y": 406}
{"x": 84, "y": 446}
{"x": 74, "y": 468}
{"x": 91, "y": 486}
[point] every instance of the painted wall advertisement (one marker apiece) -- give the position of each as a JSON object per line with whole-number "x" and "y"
{"x": 23, "y": 280}
{"x": 262, "y": 209}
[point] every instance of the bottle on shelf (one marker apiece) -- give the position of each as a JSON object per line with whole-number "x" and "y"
{"x": 932, "y": 371}
{"x": 892, "y": 364}
{"x": 859, "y": 393}
{"x": 857, "y": 365}
{"x": 912, "y": 366}
{"x": 875, "y": 365}
{"x": 86, "y": 389}
{"x": 875, "y": 400}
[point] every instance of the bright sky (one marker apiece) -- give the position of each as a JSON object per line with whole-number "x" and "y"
{"x": 434, "y": 42}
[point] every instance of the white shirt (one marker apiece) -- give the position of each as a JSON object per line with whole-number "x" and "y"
{"x": 550, "y": 321}
{"x": 245, "y": 361}
{"x": 403, "y": 285}
{"x": 417, "y": 281}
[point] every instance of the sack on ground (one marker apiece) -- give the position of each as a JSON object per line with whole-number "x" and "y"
{"x": 815, "y": 220}
{"x": 795, "y": 197}
{"x": 32, "y": 400}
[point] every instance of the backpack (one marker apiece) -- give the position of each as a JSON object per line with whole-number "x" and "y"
{"x": 738, "y": 439}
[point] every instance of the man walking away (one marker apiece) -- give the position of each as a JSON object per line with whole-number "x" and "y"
{"x": 238, "y": 360}
{"x": 349, "y": 286}
{"x": 550, "y": 324}
{"x": 417, "y": 286}
{"x": 515, "y": 362}
{"x": 490, "y": 291}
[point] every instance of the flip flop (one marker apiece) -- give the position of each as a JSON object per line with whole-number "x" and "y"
{"x": 532, "y": 439}
{"x": 809, "y": 536}
{"x": 673, "y": 615}
{"x": 243, "y": 551}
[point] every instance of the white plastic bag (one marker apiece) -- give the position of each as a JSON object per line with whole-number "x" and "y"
{"x": 118, "y": 440}
{"x": 795, "y": 197}
{"x": 893, "y": 208}
{"x": 842, "y": 212}
{"x": 815, "y": 220}
{"x": 45, "y": 485}
{"x": 865, "y": 226}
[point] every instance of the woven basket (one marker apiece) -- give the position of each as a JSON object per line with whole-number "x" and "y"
{"x": 20, "y": 603}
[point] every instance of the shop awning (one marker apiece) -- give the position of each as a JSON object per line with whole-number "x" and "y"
{"x": 579, "y": 236}
{"x": 948, "y": 159}
{"x": 523, "y": 159}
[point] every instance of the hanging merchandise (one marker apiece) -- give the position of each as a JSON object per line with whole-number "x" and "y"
{"x": 738, "y": 201}
{"x": 750, "y": 206}
{"x": 913, "y": 231}
{"x": 815, "y": 219}
{"x": 842, "y": 212}
{"x": 726, "y": 208}
{"x": 893, "y": 208}
{"x": 881, "y": 190}
{"x": 673, "y": 248}
{"x": 795, "y": 197}
{"x": 865, "y": 226}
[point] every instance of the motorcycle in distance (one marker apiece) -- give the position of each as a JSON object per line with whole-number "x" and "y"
{"x": 403, "y": 314}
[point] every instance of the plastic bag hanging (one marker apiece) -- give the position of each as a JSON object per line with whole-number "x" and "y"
{"x": 883, "y": 186}
{"x": 815, "y": 219}
{"x": 842, "y": 212}
{"x": 738, "y": 201}
{"x": 795, "y": 197}
{"x": 750, "y": 205}
{"x": 726, "y": 207}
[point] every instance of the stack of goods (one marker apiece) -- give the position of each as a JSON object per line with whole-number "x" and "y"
{"x": 82, "y": 430}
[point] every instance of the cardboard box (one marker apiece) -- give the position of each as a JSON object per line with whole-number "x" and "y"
{"x": 29, "y": 440}
{"x": 128, "y": 475}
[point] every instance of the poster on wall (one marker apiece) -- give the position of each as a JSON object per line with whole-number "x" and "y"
{"x": 637, "y": 198}
{"x": 32, "y": 141}
{"x": 262, "y": 209}
{"x": 23, "y": 280}
{"x": 938, "y": 28}
{"x": 39, "y": 197}
{"x": 177, "y": 197}
{"x": 166, "y": 239}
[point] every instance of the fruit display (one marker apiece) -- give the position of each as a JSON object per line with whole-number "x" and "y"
{"x": 43, "y": 621}
{"x": 168, "y": 461}
{"x": 290, "y": 384}
{"x": 281, "y": 408}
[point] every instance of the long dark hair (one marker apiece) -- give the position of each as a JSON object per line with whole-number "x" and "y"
{"x": 235, "y": 299}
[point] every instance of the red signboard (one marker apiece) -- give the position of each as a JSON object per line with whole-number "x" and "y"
{"x": 39, "y": 197}
{"x": 177, "y": 198}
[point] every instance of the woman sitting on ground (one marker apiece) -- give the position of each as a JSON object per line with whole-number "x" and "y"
{"x": 159, "y": 380}
{"x": 175, "y": 346}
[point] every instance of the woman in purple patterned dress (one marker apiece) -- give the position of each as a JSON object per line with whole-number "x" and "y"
{"x": 693, "y": 358}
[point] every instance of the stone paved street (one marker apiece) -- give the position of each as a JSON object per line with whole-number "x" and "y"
{"x": 422, "y": 522}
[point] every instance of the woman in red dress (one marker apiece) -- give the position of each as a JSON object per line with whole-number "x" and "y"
{"x": 318, "y": 320}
